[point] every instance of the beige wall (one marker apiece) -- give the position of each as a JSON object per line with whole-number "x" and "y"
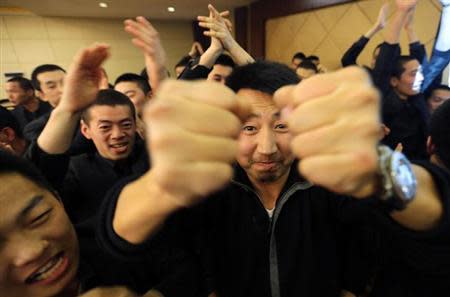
{"x": 27, "y": 41}
{"x": 329, "y": 32}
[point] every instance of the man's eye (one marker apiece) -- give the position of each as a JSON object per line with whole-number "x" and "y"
{"x": 42, "y": 218}
{"x": 249, "y": 128}
{"x": 103, "y": 128}
{"x": 281, "y": 127}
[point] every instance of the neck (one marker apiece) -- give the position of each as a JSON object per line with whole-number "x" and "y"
{"x": 32, "y": 105}
{"x": 401, "y": 95}
{"x": 270, "y": 191}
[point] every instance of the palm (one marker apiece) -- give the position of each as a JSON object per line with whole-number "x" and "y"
{"x": 83, "y": 78}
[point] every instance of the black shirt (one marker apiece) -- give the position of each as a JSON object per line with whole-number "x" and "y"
{"x": 24, "y": 116}
{"x": 84, "y": 180}
{"x": 407, "y": 119}
{"x": 170, "y": 270}
{"x": 316, "y": 244}
{"x": 79, "y": 145}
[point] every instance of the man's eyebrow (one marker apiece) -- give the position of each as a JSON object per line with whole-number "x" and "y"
{"x": 30, "y": 205}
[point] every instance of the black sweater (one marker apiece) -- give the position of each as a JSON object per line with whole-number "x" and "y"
{"x": 316, "y": 244}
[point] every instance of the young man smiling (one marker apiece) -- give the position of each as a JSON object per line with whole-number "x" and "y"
{"x": 110, "y": 122}
{"x": 43, "y": 255}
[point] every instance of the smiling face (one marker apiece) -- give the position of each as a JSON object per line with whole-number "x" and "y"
{"x": 112, "y": 129}
{"x": 410, "y": 80}
{"x": 264, "y": 141}
{"x": 38, "y": 245}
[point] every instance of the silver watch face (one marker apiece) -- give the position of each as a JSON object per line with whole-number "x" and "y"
{"x": 403, "y": 177}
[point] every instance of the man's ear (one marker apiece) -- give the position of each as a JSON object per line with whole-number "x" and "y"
{"x": 431, "y": 148}
{"x": 394, "y": 82}
{"x": 149, "y": 95}
{"x": 10, "y": 135}
{"x": 85, "y": 130}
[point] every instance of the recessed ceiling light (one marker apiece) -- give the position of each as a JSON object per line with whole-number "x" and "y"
{"x": 171, "y": 9}
{"x": 103, "y": 4}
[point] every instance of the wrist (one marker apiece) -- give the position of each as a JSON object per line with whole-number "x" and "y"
{"x": 64, "y": 110}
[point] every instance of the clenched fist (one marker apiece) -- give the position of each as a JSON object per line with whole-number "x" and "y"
{"x": 334, "y": 120}
{"x": 192, "y": 130}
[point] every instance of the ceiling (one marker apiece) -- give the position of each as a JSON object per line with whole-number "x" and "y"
{"x": 153, "y": 9}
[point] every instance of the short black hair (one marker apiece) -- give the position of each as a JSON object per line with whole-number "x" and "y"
{"x": 7, "y": 120}
{"x": 313, "y": 58}
{"x": 225, "y": 60}
{"x": 440, "y": 87}
{"x": 141, "y": 82}
{"x": 298, "y": 55}
{"x": 41, "y": 69}
{"x": 24, "y": 83}
{"x": 399, "y": 68}
{"x": 440, "y": 131}
{"x": 375, "y": 49}
{"x": 433, "y": 88}
{"x": 109, "y": 97}
{"x": 307, "y": 64}
{"x": 263, "y": 76}
{"x": 10, "y": 163}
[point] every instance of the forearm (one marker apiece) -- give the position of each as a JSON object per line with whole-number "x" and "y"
{"x": 426, "y": 210}
{"x": 141, "y": 210}
{"x": 209, "y": 57}
{"x": 240, "y": 56}
{"x": 394, "y": 28}
{"x": 372, "y": 31}
{"x": 58, "y": 132}
{"x": 156, "y": 75}
{"x": 412, "y": 36}
{"x": 443, "y": 39}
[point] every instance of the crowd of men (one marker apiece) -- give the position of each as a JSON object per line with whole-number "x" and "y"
{"x": 238, "y": 178}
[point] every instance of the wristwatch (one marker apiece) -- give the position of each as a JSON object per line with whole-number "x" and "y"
{"x": 397, "y": 179}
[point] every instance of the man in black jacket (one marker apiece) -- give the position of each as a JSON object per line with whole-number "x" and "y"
{"x": 271, "y": 231}
{"x": 83, "y": 180}
{"x": 403, "y": 79}
{"x": 27, "y": 107}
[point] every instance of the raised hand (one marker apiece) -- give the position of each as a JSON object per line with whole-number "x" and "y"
{"x": 382, "y": 16}
{"x": 83, "y": 78}
{"x": 218, "y": 25}
{"x": 334, "y": 120}
{"x": 192, "y": 130}
{"x": 146, "y": 38}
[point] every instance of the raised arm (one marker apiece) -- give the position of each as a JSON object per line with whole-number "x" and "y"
{"x": 220, "y": 30}
{"x": 390, "y": 50}
{"x": 348, "y": 146}
{"x": 351, "y": 55}
{"x": 192, "y": 144}
{"x": 146, "y": 38}
{"x": 80, "y": 89}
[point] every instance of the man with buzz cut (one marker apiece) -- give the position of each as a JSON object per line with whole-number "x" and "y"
{"x": 27, "y": 108}
{"x": 110, "y": 123}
